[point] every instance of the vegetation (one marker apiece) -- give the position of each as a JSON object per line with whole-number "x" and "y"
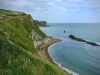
{"x": 17, "y": 53}
{"x": 14, "y": 61}
{"x": 41, "y": 23}
{"x": 36, "y": 28}
{"x": 21, "y": 26}
{"x": 10, "y": 13}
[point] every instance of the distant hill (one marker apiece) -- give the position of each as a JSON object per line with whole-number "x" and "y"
{"x": 41, "y": 23}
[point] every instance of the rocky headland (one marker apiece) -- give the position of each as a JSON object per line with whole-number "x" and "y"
{"x": 41, "y": 23}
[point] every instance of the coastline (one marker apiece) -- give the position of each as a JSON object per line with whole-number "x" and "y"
{"x": 43, "y": 50}
{"x": 44, "y": 54}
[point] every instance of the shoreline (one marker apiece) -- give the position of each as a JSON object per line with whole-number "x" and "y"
{"x": 43, "y": 50}
{"x": 44, "y": 54}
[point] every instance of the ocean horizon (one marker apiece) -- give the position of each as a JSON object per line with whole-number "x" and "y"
{"x": 77, "y": 58}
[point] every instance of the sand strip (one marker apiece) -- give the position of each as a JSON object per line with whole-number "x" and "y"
{"x": 43, "y": 53}
{"x": 43, "y": 50}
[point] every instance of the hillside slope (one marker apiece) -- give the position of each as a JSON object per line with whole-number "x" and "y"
{"x": 19, "y": 37}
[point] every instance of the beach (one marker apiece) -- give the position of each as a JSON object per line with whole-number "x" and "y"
{"x": 43, "y": 50}
{"x": 44, "y": 54}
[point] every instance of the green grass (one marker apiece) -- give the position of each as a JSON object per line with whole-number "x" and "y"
{"x": 18, "y": 30}
{"x": 36, "y": 28}
{"x": 15, "y": 61}
{"x": 17, "y": 53}
{"x": 10, "y": 13}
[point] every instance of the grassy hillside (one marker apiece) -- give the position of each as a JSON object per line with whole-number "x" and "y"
{"x": 14, "y": 61}
{"x": 10, "y": 13}
{"x": 17, "y": 53}
{"x": 17, "y": 30}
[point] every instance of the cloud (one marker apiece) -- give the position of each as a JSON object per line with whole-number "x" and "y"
{"x": 48, "y": 5}
{"x": 88, "y": 11}
{"x": 74, "y": 9}
{"x": 98, "y": 10}
{"x": 51, "y": 7}
{"x": 74, "y": 0}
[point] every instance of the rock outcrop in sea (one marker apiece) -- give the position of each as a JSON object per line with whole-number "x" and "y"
{"x": 82, "y": 40}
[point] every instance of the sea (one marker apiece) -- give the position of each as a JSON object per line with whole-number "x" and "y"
{"x": 77, "y": 58}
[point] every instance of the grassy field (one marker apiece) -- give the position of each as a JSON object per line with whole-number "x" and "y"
{"x": 17, "y": 53}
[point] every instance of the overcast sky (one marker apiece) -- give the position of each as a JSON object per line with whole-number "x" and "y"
{"x": 57, "y": 11}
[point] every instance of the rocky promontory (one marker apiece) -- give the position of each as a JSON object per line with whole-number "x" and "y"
{"x": 41, "y": 23}
{"x": 82, "y": 40}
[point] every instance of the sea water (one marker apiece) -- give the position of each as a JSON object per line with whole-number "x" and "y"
{"x": 74, "y": 56}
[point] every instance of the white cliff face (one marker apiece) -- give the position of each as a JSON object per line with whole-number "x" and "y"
{"x": 37, "y": 39}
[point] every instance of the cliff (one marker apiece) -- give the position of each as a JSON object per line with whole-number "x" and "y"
{"x": 19, "y": 38}
{"x": 20, "y": 30}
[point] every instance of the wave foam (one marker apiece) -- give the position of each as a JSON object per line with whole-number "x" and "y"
{"x": 66, "y": 69}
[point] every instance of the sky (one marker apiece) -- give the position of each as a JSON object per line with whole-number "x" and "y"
{"x": 57, "y": 11}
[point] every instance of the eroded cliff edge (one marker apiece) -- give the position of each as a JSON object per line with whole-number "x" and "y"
{"x": 20, "y": 29}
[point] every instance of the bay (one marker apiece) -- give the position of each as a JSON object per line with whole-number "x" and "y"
{"x": 76, "y": 57}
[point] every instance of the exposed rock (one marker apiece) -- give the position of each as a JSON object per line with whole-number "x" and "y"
{"x": 1, "y": 17}
{"x": 81, "y": 40}
{"x": 0, "y": 29}
{"x": 6, "y": 33}
{"x": 37, "y": 39}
